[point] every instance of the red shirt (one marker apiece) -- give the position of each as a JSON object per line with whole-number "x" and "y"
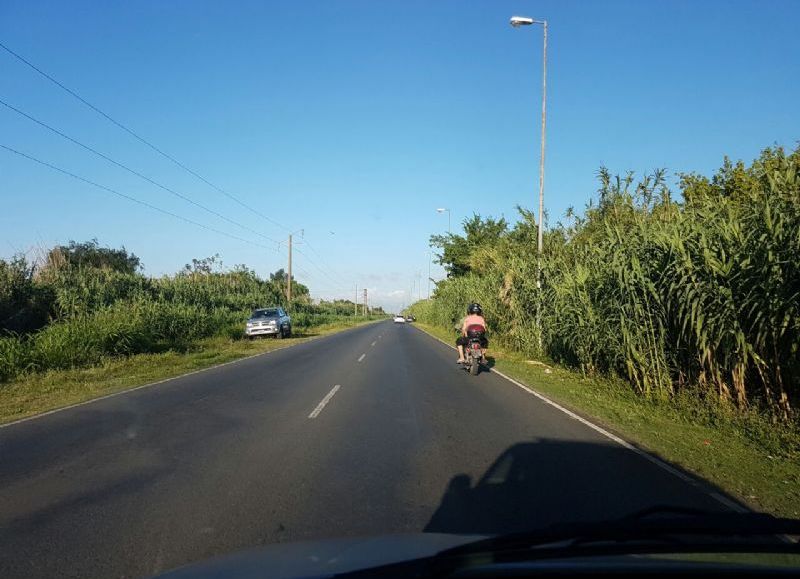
{"x": 473, "y": 320}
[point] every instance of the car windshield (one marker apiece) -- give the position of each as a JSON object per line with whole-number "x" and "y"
{"x": 201, "y": 261}
{"x": 268, "y": 313}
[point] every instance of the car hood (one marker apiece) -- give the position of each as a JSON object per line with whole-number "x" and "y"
{"x": 321, "y": 558}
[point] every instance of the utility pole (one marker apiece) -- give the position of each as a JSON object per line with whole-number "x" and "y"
{"x": 289, "y": 280}
{"x": 365, "y": 301}
{"x": 355, "y": 303}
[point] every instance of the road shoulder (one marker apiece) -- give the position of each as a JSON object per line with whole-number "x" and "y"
{"x": 47, "y": 392}
{"x": 721, "y": 455}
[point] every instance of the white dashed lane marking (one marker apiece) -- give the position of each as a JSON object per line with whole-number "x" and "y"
{"x": 324, "y": 401}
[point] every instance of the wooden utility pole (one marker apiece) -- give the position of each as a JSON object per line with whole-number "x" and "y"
{"x": 289, "y": 283}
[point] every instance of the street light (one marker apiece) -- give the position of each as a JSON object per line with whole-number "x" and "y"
{"x": 442, "y": 210}
{"x": 516, "y": 22}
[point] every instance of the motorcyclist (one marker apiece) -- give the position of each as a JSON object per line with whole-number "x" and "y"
{"x": 473, "y": 318}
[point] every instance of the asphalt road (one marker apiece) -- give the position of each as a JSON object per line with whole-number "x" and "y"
{"x": 371, "y": 431}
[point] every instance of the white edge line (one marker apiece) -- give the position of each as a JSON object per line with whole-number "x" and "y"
{"x": 361, "y": 357}
{"x": 150, "y": 384}
{"x": 324, "y": 401}
{"x": 372, "y": 344}
{"x": 625, "y": 444}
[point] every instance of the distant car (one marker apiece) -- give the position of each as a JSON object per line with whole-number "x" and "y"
{"x": 411, "y": 319}
{"x": 399, "y": 320}
{"x": 269, "y": 322}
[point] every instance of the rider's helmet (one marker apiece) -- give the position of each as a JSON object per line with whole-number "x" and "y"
{"x": 475, "y": 308}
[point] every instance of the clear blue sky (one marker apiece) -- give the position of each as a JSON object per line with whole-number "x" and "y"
{"x": 362, "y": 117}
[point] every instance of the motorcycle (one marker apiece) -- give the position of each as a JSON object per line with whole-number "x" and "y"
{"x": 473, "y": 351}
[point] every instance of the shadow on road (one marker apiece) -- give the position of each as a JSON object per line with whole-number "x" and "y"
{"x": 304, "y": 334}
{"x": 537, "y": 484}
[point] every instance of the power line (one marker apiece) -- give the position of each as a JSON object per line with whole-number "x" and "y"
{"x": 326, "y": 274}
{"x": 339, "y": 279}
{"x": 131, "y": 198}
{"x": 138, "y": 137}
{"x": 151, "y": 146}
{"x": 132, "y": 171}
{"x": 302, "y": 272}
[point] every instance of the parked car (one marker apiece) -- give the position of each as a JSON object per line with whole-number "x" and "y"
{"x": 398, "y": 319}
{"x": 269, "y": 322}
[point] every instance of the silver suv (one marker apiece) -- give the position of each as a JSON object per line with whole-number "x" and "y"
{"x": 269, "y": 322}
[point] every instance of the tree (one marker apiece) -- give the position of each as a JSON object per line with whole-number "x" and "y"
{"x": 91, "y": 254}
{"x": 278, "y": 276}
{"x": 300, "y": 292}
{"x": 457, "y": 251}
{"x": 203, "y": 266}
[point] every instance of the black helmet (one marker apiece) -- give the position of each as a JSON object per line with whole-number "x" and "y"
{"x": 475, "y": 308}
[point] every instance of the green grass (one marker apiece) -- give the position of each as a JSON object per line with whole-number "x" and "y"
{"x": 746, "y": 457}
{"x": 38, "y": 392}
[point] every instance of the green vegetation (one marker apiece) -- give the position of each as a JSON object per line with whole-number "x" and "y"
{"x": 85, "y": 304}
{"x": 677, "y": 314}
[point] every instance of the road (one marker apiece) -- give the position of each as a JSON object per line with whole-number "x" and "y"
{"x": 370, "y": 431}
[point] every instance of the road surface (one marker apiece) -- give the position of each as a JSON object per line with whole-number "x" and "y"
{"x": 370, "y": 431}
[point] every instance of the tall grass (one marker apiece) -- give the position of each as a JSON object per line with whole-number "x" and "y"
{"x": 101, "y": 312}
{"x": 700, "y": 295}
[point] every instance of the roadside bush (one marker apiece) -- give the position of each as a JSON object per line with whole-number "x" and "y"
{"x": 14, "y": 357}
{"x": 24, "y": 305}
{"x": 99, "y": 305}
{"x": 700, "y": 296}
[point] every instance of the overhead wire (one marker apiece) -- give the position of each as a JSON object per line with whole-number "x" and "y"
{"x": 331, "y": 270}
{"x": 157, "y": 150}
{"x": 139, "y": 137}
{"x": 322, "y": 271}
{"x": 132, "y": 171}
{"x": 132, "y": 198}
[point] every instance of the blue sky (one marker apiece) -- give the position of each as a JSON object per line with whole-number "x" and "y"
{"x": 362, "y": 117}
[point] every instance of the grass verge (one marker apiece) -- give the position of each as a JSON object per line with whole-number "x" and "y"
{"x": 746, "y": 457}
{"x": 40, "y": 392}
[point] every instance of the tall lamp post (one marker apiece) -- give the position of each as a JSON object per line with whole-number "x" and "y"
{"x": 442, "y": 210}
{"x": 516, "y": 22}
